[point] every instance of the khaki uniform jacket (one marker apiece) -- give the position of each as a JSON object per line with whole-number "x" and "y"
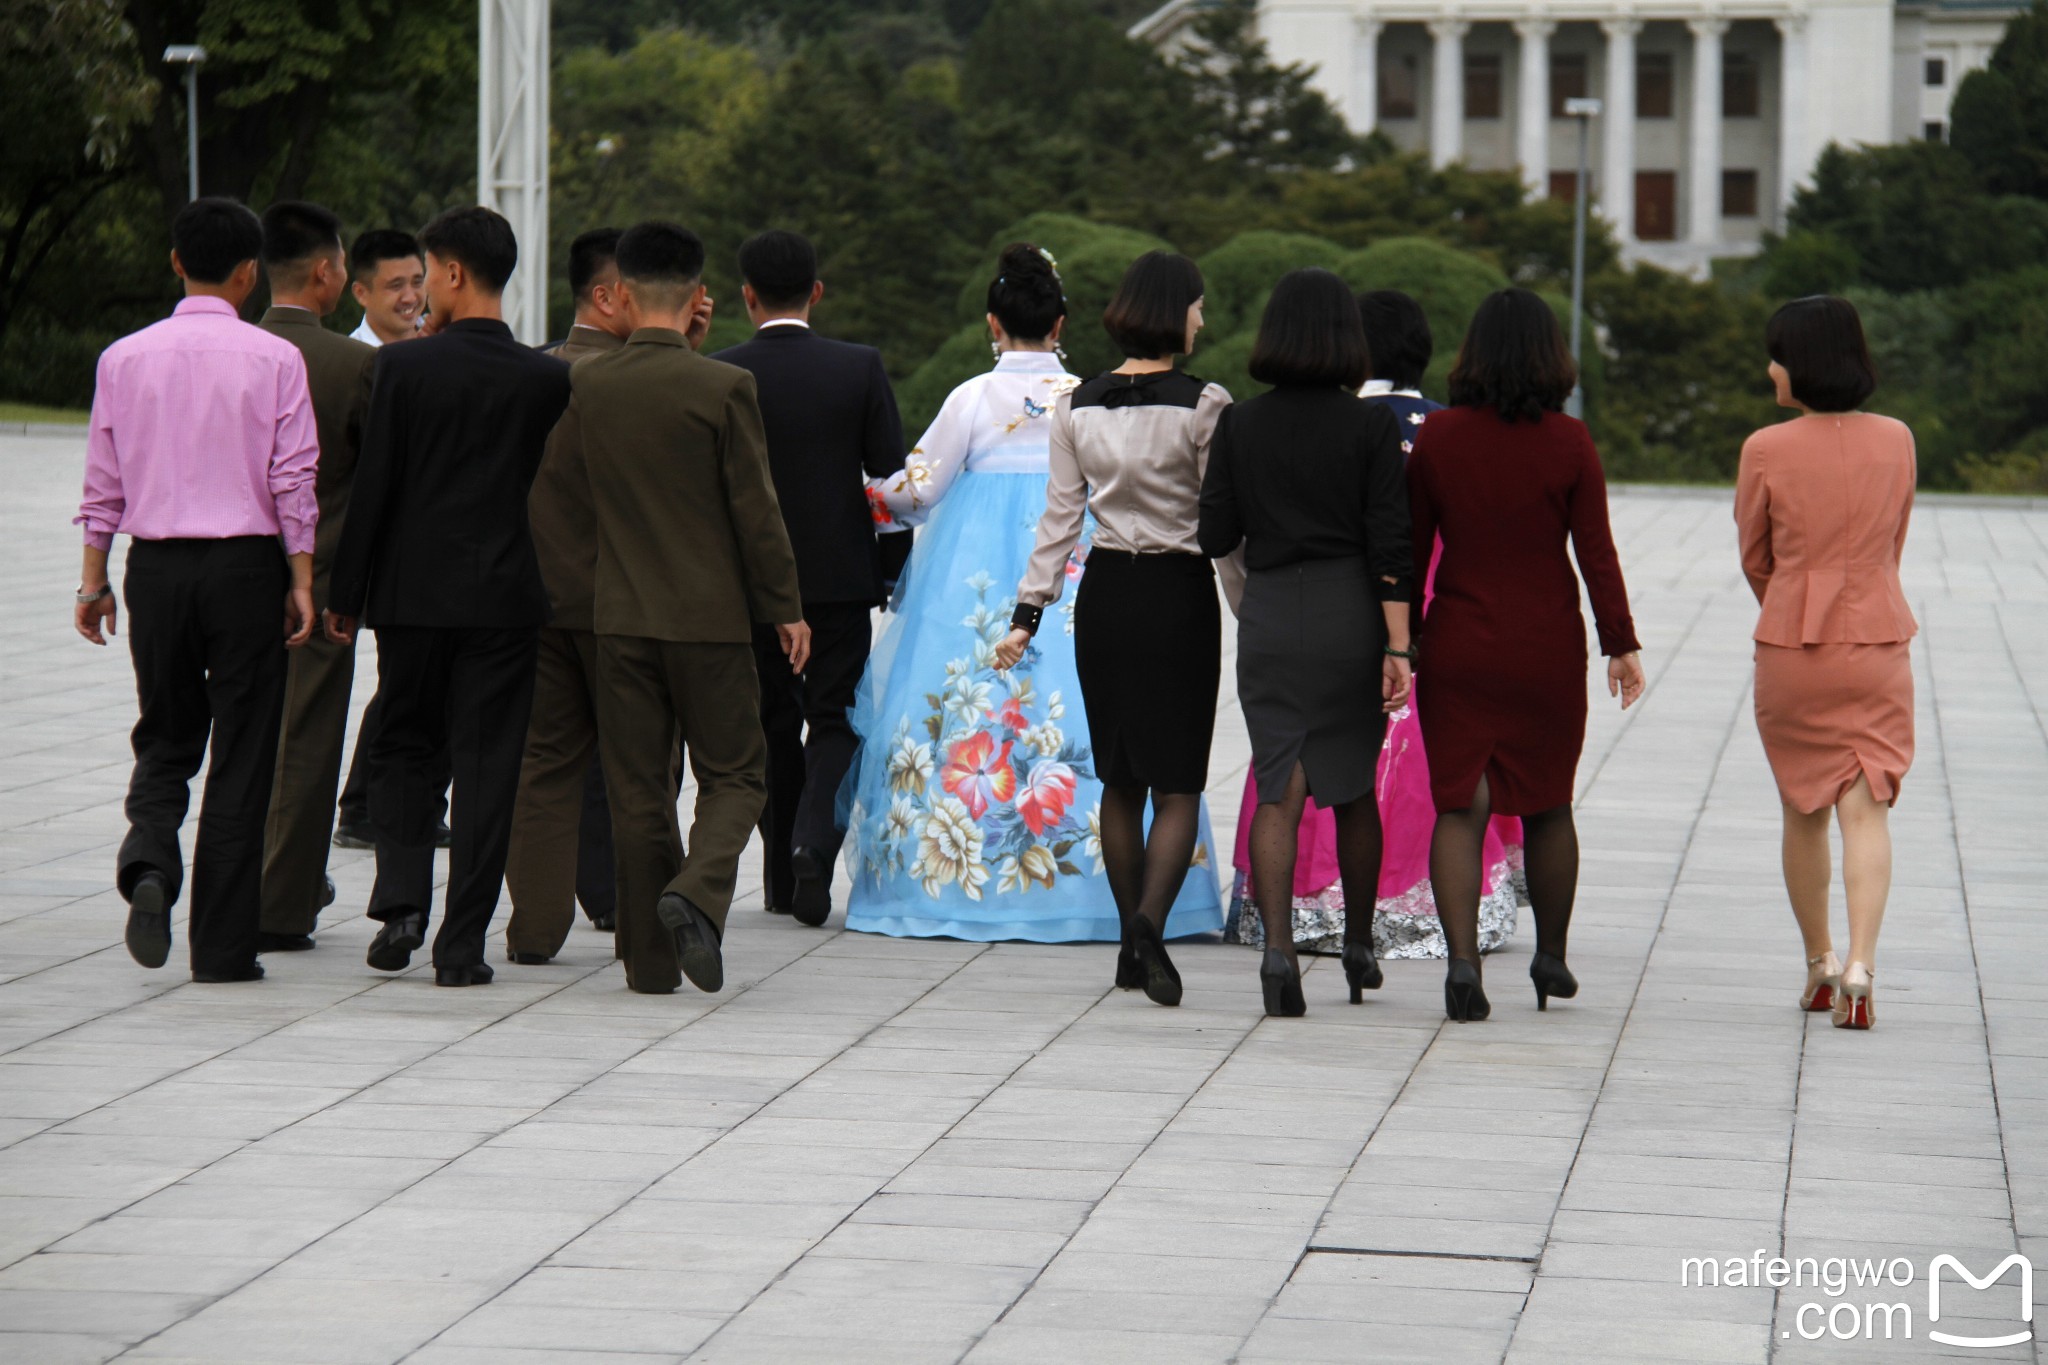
{"x": 691, "y": 547}
{"x": 338, "y": 372}
{"x": 558, "y": 508}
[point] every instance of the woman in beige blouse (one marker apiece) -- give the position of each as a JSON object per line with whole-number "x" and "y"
{"x": 1822, "y": 504}
{"x": 1131, "y": 447}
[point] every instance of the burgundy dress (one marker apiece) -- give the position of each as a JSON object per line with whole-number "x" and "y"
{"x": 1501, "y": 685}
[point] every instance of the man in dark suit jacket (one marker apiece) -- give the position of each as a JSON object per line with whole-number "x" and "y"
{"x": 691, "y": 552}
{"x": 562, "y": 826}
{"x": 308, "y": 270}
{"x": 437, "y": 552}
{"x": 831, "y": 421}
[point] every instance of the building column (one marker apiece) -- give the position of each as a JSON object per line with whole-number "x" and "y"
{"x": 1532, "y": 104}
{"x": 1618, "y": 129}
{"x": 1365, "y": 76}
{"x": 1447, "y": 91}
{"x": 1792, "y": 82}
{"x": 1704, "y": 218}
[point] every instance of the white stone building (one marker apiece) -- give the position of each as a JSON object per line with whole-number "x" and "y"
{"x": 1713, "y": 110}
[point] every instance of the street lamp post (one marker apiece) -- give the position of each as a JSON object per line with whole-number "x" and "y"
{"x": 1585, "y": 111}
{"x": 191, "y": 56}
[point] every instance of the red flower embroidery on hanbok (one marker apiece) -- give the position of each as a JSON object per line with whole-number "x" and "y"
{"x": 1047, "y": 793}
{"x": 979, "y": 774}
{"x": 1011, "y": 713}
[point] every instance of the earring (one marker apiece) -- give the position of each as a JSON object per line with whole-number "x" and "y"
{"x": 995, "y": 350}
{"x": 1059, "y": 351}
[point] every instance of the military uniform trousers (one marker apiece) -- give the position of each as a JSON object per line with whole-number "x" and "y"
{"x": 458, "y": 696}
{"x": 316, "y": 692}
{"x": 651, "y": 694}
{"x": 561, "y": 824}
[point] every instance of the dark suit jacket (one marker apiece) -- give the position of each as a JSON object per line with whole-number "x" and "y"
{"x": 338, "y": 371}
{"x": 690, "y": 541}
{"x": 437, "y": 532}
{"x": 564, "y": 527}
{"x": 831, "y": 420}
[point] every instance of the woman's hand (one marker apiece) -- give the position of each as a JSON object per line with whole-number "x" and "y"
{"x": 1397, "y": 681}
{"x": 1012, "y": 649}
{"x": 1625, "y": 678}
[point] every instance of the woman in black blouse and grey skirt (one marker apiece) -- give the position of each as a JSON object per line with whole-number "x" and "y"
{"x": 1310, "y": 479}
{"x": 1130, "y": 446}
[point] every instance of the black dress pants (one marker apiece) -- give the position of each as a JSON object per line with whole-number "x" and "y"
{"x": 459, "y": 697}
{"x": 805, "y": 770}
{"x": 206, "y": 633}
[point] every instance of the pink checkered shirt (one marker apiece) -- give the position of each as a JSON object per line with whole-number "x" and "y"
{"x": 202, "y": 429}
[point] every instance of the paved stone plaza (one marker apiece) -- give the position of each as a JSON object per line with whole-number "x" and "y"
{"x": 867, "y": 1149}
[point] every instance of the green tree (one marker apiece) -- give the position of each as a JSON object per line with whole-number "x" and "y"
{"x": 1999, "y": 122}
{"x": 1257, "y": 116}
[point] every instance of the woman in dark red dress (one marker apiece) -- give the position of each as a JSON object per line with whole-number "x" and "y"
{"x": 1504, "y": 477}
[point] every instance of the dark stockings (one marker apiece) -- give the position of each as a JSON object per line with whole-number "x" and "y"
{"x": 1145, "y": 874}
{"x": 1276, "y": 832}
{"x": 1457, "y": 872}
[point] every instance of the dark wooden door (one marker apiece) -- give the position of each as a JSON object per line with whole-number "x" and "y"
{"x": 1656, "y": 206}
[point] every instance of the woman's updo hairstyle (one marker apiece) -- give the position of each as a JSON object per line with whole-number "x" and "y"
{"x": 1026, "y": 295}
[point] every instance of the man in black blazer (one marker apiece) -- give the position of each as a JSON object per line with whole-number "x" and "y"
{"x": 438, "y": 555}
{"x": 831, "y": 422}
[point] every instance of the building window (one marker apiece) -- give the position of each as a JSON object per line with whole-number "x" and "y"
{"x": 1656, "y": 205}
{"x": 1937, "y": 72}
{"x": 1740, "y": 85}
{"x": 1564, "y": 185}
{"x": 1738, "y": 194}
{"x": 1653, "y": 85}
{"x": 1398, "y": 86}
{"x": 1934, "y": 132}
{"x": 1482, "y": 85}
{"x": 1567, "y": 80}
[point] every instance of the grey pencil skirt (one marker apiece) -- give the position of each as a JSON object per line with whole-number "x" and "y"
{"x": 1310, "y": 641}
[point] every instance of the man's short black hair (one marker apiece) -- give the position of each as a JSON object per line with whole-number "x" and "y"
{"x": 379, "y": 245}
{"x": 214, "y": 235}
{"x": 295, "y": 232}
{"x": 781, "y": 266}
{"x": 661, "y": 254}
{"x": 1819, "y": 340}
{"x": 480, "y": 239}
{"x": 1310, "y": 335}
{"x": 1148, "y": 318}
{"x": 1397, "y": 330}
{"x": 589, "y": 254}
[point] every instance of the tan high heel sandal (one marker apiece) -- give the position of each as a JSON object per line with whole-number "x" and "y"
{"x": 1852, "y": 1000}
{"x": 1821, "y": 989}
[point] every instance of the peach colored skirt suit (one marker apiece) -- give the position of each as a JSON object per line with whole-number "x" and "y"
{"x": 1821, "y": 504}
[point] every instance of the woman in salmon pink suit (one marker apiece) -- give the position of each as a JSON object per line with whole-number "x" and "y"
{"x": 1504, "y": 479}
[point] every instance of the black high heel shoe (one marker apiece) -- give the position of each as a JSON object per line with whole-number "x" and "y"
{"x": 1464, "y": 997}
{"x": 1361, "y": 970}
{"x": 1160, "y": 980}
{"x": 1280, "y": 980}
{"x": 1129, "y": 975}
{"x": 1552, "y": 977}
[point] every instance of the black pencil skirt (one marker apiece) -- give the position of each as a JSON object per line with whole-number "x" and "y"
{"x": 1148, "y": 645}
{"x": 1310, "y": 640}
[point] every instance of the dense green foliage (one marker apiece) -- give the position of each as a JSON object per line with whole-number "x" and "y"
{"x": 912, "y": 138}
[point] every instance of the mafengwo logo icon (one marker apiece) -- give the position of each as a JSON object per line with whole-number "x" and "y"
{"x": 1934, "y": 1269}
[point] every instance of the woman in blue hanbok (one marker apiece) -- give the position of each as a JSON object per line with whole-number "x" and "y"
{"x": 973, "y": 810}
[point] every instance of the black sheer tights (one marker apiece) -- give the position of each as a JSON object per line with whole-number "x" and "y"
{"x": 1276, "y": 833}
{"x": 1145, "y": 874}
{"x": 1457, "y": 872}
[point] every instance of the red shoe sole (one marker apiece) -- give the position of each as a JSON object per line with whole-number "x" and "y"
{"x": 1823, "y": 1000}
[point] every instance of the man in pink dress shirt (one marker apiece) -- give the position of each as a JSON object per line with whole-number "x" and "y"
{"x": 202, "y": 450}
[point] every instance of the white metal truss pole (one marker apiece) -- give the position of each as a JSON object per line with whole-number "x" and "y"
{"x": 512, "y": 147}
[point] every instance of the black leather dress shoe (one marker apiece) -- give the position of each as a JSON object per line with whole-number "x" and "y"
{"x": 354, "y": 834}
{"x": 469, "y": 974}
{"x": 326, "y": 892}
{"x": 528, "y": 959}
{"x": 696, "y": 941}
{"x": 778, "y": 907}
{"x": 401, "y": 936}
{"x": 443, "y": 836}
{"x": 605, "y": 924}
{"x": 149, "y": 920}
{"x": 811, "y": 903}
{"x": 283, "y": 943}
{"x": 252, "y": 972}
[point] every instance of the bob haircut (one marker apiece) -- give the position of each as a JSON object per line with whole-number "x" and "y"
{"x": 1819, "y": 341}
{"x": 1397, "y": 332}
{"x": 1148, "y": 318}
{"x": 1514, "y": 359}
{"x": 1310, "y": 335}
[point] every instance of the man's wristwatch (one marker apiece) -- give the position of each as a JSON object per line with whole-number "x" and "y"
{"x": 86, "y": 599}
